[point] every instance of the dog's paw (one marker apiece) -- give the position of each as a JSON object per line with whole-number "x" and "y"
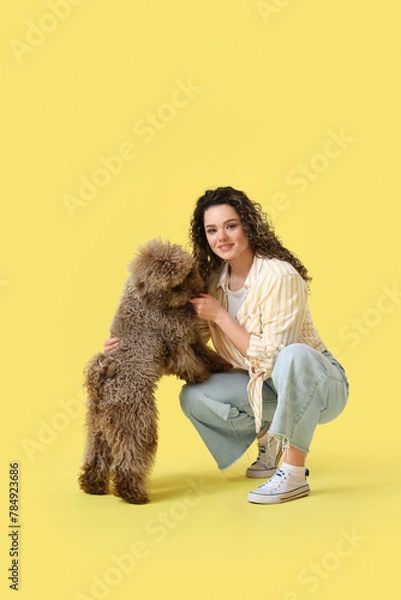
{"x": 128, "y": 489}
{"x": 92, "y": 484}
{"x": 219, "y": 365}
{"x": 135, "y": 498}
{"x": 215, "y": 362}
{"x": 131, "y": 495}
{"x": 197, "y": 377}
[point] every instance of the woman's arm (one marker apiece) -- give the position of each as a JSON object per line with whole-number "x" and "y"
{"x": 210, "y": 309}
{"x": 281, "y": 308}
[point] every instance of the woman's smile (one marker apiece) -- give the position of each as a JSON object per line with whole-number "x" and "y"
{"x": 225, "y": 247}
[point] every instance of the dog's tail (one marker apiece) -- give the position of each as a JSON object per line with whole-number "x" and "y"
{"x": 102, "y": 366}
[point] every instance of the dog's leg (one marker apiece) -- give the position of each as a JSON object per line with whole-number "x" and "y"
{"x": 130, "y": 483}
{"x": 94, "y": 477}
{"x": 132, "y": 435}
{"x": 215, "y": 363}
{"x": 184, "y": 363}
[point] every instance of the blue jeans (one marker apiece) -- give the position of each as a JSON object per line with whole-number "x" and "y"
{"x": 306, "y": 388}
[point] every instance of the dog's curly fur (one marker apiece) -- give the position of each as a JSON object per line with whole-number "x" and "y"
{"x": 157, "y": 328}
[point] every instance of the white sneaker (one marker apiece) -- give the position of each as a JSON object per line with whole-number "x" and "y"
{"x": 285, "y": 485}
{"x": 270, "y": 451}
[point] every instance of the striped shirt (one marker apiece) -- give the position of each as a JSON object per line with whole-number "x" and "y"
{"x": 276, "y": 314}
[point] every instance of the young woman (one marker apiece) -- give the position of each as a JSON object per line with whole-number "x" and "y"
{"x": 285, "y": 381}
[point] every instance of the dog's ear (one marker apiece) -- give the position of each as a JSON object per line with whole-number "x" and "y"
{"x": 159, "y": 266}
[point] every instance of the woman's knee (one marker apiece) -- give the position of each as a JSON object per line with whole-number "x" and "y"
{"x": 187, "y": 399}
{"x": 300, "y": 366}
{"x": 300, "y": 357}
{"x": 295, "y": 352}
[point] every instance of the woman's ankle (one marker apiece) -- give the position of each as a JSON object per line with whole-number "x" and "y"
{"x": 294, "y": 456}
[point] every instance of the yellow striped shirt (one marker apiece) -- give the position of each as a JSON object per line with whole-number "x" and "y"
{"x": 276, "y": 314}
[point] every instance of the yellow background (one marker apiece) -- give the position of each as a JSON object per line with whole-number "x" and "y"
{"x": 273, "y": 82}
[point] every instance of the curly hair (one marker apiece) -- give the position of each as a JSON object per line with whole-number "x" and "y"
{"x": 260, "y": 233}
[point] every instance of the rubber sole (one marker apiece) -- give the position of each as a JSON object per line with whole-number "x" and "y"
{"x": 259, "y": 498}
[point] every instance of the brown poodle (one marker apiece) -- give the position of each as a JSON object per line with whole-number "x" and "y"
{"x": 157, "y": 328}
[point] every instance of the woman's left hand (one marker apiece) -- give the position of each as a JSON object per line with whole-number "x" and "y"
{"x": 207, "y": 307}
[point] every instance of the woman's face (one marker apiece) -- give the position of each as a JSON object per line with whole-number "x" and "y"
{"x": 224, "y": 232}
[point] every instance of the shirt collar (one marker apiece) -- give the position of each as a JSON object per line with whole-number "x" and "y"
{"x": 251, "y": 278}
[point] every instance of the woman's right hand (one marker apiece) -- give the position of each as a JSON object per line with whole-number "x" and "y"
{"x": 111, "y": 344}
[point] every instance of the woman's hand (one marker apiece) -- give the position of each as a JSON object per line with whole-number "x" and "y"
{"x": 207, "y": 307}
{"x": 111, "y": 344}
{"x": 210, "y": 309}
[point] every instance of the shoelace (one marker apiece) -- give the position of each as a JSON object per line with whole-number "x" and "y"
{"x": 279, "y": 477}
{"x": 262, "y": 451}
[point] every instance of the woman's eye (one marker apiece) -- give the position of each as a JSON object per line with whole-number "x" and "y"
{"x": 232, "y": 226}
{"x": 209, "y": 231}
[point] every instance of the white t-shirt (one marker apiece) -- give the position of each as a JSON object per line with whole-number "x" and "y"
{"x": 235, "y": 300}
